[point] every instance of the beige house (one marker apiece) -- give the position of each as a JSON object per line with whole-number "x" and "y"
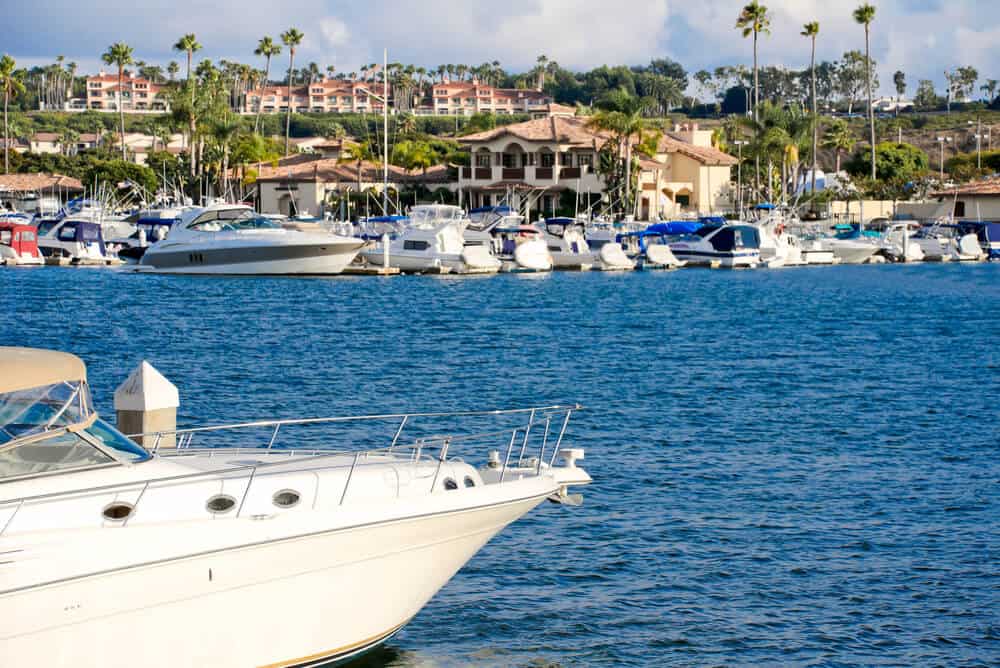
{"x": 464, "y": 98}
{"x": 327, "y": 96}
{"x": 538, "y": 160}
{"x": 978, "y": 200}
{"x": 302, "y": 184}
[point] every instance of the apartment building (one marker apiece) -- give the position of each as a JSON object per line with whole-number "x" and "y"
{"x": 136, "y": 95}
{"x": 464, "y": 98}
{"x": 327, "y": 96}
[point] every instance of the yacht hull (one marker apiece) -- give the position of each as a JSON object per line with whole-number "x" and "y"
{"x": 298, "y": 601}
{"x": 315, "y": 259}
{"x": 729, "y": 260}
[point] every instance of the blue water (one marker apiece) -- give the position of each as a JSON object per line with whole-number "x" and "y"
{"x": 794, "y": 467}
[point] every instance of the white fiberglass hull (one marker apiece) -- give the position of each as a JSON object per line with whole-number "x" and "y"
{"x": 424, "y": 263}
{"x": 327, "y": 257}
{"x": 274, "y": 602}
{"x": 851, "y": 252}
{"x": 566, "y": 260}
{"x": 729, "y": 260}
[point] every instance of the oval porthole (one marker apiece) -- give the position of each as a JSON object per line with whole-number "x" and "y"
{"x": 286, "y": 498}
{"x": 116, "y": 512}
{"x": 469, "y": 482}
{"x": 220, "y": 503}
{"x": 450, "y": 484}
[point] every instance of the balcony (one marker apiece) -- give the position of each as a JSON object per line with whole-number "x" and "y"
{"x": 512, "y": 174}
{"x": 544, "y": 173}
{"x": 569, "y": 173}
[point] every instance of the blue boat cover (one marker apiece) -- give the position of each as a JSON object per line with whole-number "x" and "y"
{"x": 383, "y": 219}
{"x": 712, "y": 220}
{"x": 676, "y": 227}
{"x": 502, "y": 210}
{"x": 765, "y": 206}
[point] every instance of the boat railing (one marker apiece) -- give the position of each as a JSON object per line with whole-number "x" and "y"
{"x": 529, "y": 443}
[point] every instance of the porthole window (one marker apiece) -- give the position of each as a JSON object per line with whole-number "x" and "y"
{"x": 286, "y": 498}
{"x": 450, "y": 484}
{"x": 116, "y": 512}
{"x": 469, "y": 482}
{"x": 220, "y": 504}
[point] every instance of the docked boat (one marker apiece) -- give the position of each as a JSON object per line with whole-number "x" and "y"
{"x": 18, "y": 243}
{"x": 107, "y": 545}
{"x": 605, "y": 240}
{"x": 520, "y": 247}
{"x": 150, "y": 228}
{"x": 948, "y": 242}
{"x": 898, "y": 242}
{"x": 433, "y": 241}
{"x": 850, "y": 245}
{"x": 720, "y": 245}
{"x": 233, "y": 239}
{"x": 75, "y": 240}
{"x": 650, "y": 248}
{"x": 567, "y": 244}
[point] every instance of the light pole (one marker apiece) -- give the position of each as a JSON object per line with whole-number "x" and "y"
{"x": 739, "y": 176}
{"x": 941, "y": 142}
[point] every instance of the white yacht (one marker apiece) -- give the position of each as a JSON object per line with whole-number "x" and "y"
{"x": 650, "y": 248}
{"x": 898, "y": 243}
{"x": 944, "y": 241}
{"x": 721, "y": 245}
{"x": 233, "y": 239}
{"x": 605, "y": 239}
{"x": 520, "y": 247}
{"x": 247, "y": 553}
{"x": 433, "y": 241}
{"x": 75, "y": 240}
{"x": 567, "y": 244}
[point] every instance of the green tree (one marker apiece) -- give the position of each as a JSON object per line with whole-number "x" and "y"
{"x": 172, "y": 69}
{"x": 864, "y": 15}
{"x": 622, "y": 119}
{"x": 839, "y": 138}
{"x": 754, "y": 20}
{"x": 896, "y": 162}
{"x": 291, "y": 38}
{"x": 899, "y": 81}
{"x": 811, "y": 30}
{"x": 10, "y": 81}
{"x": 119, "y": 54}
{"x": 188, "y": 44}
{"x": 925, "y": 98}
{"x": 990, "y": 88}
{"x": 267, "y": 48}
{"x": 120, "y": 171}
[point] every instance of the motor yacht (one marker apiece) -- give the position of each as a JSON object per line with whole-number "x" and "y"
{"x": 76, "y": 240}
{"x": 898, "y": 243}
{"x": 150, "y": 228}
{"x": 18, "y": 243}
{"x": 650, "y": 248}
{"x": 233, "y": 239}
{"x": 944, "y": 241}
{"x": 721, "y": 245}
{"x": 605, "y": 240}
{"x": 433, "y": 241}
{"x": 850, "y": 245}
{"x": 567, "y": 244}
{"x": 231, "y": 549}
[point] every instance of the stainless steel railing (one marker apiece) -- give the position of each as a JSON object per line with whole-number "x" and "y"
{"x": 435, "y": 448}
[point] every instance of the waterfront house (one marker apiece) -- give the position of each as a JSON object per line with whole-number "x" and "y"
{"x": 137, "y": 95}
{"x": 976, "y": 200}
{"x": 536, "y": 162}
{"x": 17, "y": 189}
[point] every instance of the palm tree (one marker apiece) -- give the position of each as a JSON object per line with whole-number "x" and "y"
{"x": 899, "y": 80}
{"x": 224, "y": 132}
{"x": 120, "y": 55}
{"x": 839, "y": 137}
{"x": 172, "y": 69}
{"x": 811, "y": 30}
{"x": 12, "y": 87}
{"x": 622, "y": 123}
{"x": 331, "y": 70}
{"x": 990, "y": 88}
{"x": 543, "y": 60}
{"x": 267, "y": 48}
{"x": 188, "y": 44}
{"x": 291, "y": 38}
{"x": 753, "y": 20}
{"x": 864, "y": 15}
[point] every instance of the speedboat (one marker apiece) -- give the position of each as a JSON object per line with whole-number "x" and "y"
{"x": 850, "y": 245}
{"x": 150, "y": 228}
{"x": 650, "y": 248}
{"x": 433, "y": 242}
{"x": 605, "y": 239}
{"x": 720, "y": 245}
{"x": 75, "y": 240}
{"x": 898, "y": 243}
{"x": 18, "y": 242}
{"x": 946, "y": 242}
{"x": 520, "y": 247}
{"x": 233, "y": 239}
{"x": 261, "y": 554}
{"x": 567, "y": 244}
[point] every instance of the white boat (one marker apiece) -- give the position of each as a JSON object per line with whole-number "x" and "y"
{"x": 233, "y": 239}
{"x": 567, "y": 244}
{"x": 944, "y": 241}
{"x": 75, "y": 240}
{"x": 433, "y": 241}
{"x": 721, "y": 245}
{"x": 849, "y": 245}
{"x": 247, "y": 555}
{"x": 519, "y": 247}
{"x": 899, "y": 245}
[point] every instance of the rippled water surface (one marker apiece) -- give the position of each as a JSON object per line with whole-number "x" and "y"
{"x": 793, "y": 467}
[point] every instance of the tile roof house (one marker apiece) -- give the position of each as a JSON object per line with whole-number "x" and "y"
{"x": 552, "y": 154}
{"x": 39, "y": 183}
{"x": 976, "y": 200}
{"x": 136, "y": 94}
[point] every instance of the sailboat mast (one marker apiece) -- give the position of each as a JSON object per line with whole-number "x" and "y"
{"x": 385, "y": 132}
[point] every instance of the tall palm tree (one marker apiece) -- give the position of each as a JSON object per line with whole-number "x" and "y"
{"x": 754, "y": 20}
{"x": 622, "y": 124}
{"x": 543, "y": 60}
{"x": 120, "y": 55}
{"x": 865, "y": 14}
{"x": 188, "y": 44}
{"x": 291, "y": 38}
{"x": 224, "y": 132}
{"x": 265, "y": 47}
{"x": 12, "y": 87}
{"x": 172, "y": 69}
{"x": 811, "y": 30}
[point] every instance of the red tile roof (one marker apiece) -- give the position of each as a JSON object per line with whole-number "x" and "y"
{"x": 703, "y": 154}
{"x": 331, "y": 170}
{"x": 984, "y": 188}
{"x": 39, "y": 183}
{"x": 553, "y": 129}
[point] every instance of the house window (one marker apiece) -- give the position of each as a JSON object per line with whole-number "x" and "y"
{"x": 482, "y": 160}
{"x": 585, "y": 160}
{"x": 959, "y": 209}
{"x": 566, "y": 159}
{"x": 547, "y": 159}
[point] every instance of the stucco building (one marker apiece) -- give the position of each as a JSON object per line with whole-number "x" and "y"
{"x": 136, "y": 95}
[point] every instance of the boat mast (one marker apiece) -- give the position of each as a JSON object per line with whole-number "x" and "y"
{"x": 385, "y": 132}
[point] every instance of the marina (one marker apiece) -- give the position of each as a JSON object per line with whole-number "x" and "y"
{"x": 760, "y": 441}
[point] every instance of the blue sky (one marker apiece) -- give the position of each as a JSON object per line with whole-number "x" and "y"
{"x": 921, "y": 37}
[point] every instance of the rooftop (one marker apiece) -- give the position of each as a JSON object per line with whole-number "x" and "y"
{"x": 39, "y": 183}
{"x": 553, "y": 129}
{"x": 703, "y": 154}
{"x": 307, "y": 168}
{"x": 986, "y": 187}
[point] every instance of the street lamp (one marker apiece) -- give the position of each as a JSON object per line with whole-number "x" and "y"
{"x": 739, "y": 176}
{"x": 941, "y": 142}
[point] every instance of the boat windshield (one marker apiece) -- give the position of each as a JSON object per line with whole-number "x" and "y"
{"x": 52, "y": 408}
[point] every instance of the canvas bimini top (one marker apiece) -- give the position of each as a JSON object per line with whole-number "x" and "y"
{"x": 25, "y": 368}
